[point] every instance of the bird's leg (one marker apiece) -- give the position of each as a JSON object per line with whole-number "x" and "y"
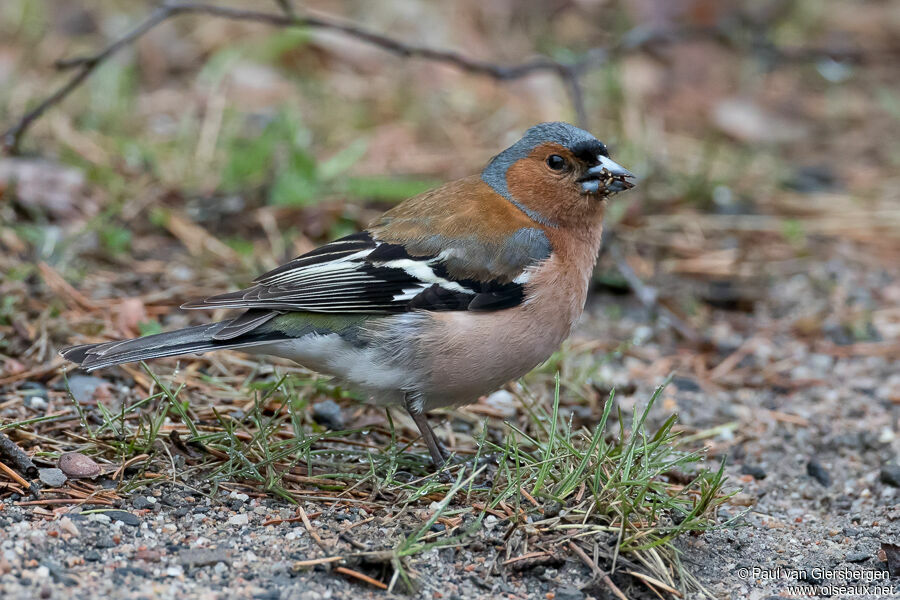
{"x": 438, "y": 453}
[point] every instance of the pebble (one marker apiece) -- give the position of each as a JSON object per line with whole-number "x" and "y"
{"x": 328, "y": 414}
{"x": 140, "y": 502}
{"x": 503, "y": 402}
{"x": 77, "y": 465}
{"x": 241, "y": 519}
{"x": 815, "y": 470}
{"x": 755, "y": 471}
{"x": 175, "y": 571}
{"x": 552, "y": 509}
{"x": 124, "y": 516}
{"x": 84, "y": 386}
{"x": 684, "y": 384}
{"x": 203, "y": 557}
{"x": 568, "y": 593}
{"x": 66, "y": 524}
{"x": 100, "y": 518}
{"x": 890, "y": 475}
{"x": 52, "y": 477}
{"x": 36, "y": 396}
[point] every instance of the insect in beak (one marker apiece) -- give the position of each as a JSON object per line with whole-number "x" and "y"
{"x": 606, "y": 178}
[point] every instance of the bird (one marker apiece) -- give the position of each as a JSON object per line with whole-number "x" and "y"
{"x": 445, "y": 297}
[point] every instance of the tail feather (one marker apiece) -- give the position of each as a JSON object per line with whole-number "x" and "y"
{"x": 191, "y": 340}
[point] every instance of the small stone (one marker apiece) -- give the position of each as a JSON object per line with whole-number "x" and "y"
{"x": 148, "y": 554}
{"x": 124, "y": 516}
{"x": 172, "y": 500}
{"x": 855, "y": 557}
{"x": 52, "y": 477}
{"x": 328, "y": 414}
{"x": 35, "y": 395}
{"x": 552, "y": 509}
{"x": 684, "y": 384}
{"x": 36, "y": 403}
{"x": 68, "y": 526}
{"x": 892, "y": 556}
{"x": 129, "y": 570}
{"x": 92, "y": 556}
{"x": 815, "y": 470}
{"x": 239, "y": 496}
{"x": 77, "y": 465}
{"x": 755, "y": 471}
{"x": 83, "y": 387}
{"x": 240, "y": 519}
{"x": 220, "y": 568}
{"x": 104, "y": 541}
{"x": 568, "y": 593}
{"x": 203, "y": 557}
{"x": 503, "y": 402}
{"x": 140, "y": 502}
{"x": 890, "y": 475}
{"x": 810, "y": 574}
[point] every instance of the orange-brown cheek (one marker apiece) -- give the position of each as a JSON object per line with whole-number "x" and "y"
{"x": 556, "y": 198}
{"x": 528, "y": 182}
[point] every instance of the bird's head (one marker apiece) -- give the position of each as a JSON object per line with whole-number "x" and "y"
{"x": 557, "y": 172}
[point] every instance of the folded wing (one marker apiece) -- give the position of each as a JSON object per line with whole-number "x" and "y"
{"x": 361, "y": 274}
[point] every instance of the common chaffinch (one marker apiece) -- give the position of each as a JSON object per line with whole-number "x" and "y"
{"x": 444, "y": 298}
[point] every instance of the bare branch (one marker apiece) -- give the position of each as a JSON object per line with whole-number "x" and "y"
{"x": 569, "y": 73}
{"x": 10, "y": 139}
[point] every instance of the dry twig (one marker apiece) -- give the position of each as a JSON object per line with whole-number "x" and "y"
{"x": 15, "y": 456}
{"x": 597, "y": 571}
{"x": 361, "y": 577}
{"x": 14, "y": 476}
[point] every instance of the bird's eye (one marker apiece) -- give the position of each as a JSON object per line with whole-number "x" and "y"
{"x": 556, "y": 162}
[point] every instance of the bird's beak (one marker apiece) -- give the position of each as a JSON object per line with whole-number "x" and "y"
{"x": 606, "y": 178}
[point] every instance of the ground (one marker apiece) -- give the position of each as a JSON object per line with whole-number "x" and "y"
{"x": 753, "y": 273}
{"x": 835, "y": 406}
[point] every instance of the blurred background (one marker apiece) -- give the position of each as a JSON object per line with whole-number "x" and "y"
{"x": 758, "y": 259}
